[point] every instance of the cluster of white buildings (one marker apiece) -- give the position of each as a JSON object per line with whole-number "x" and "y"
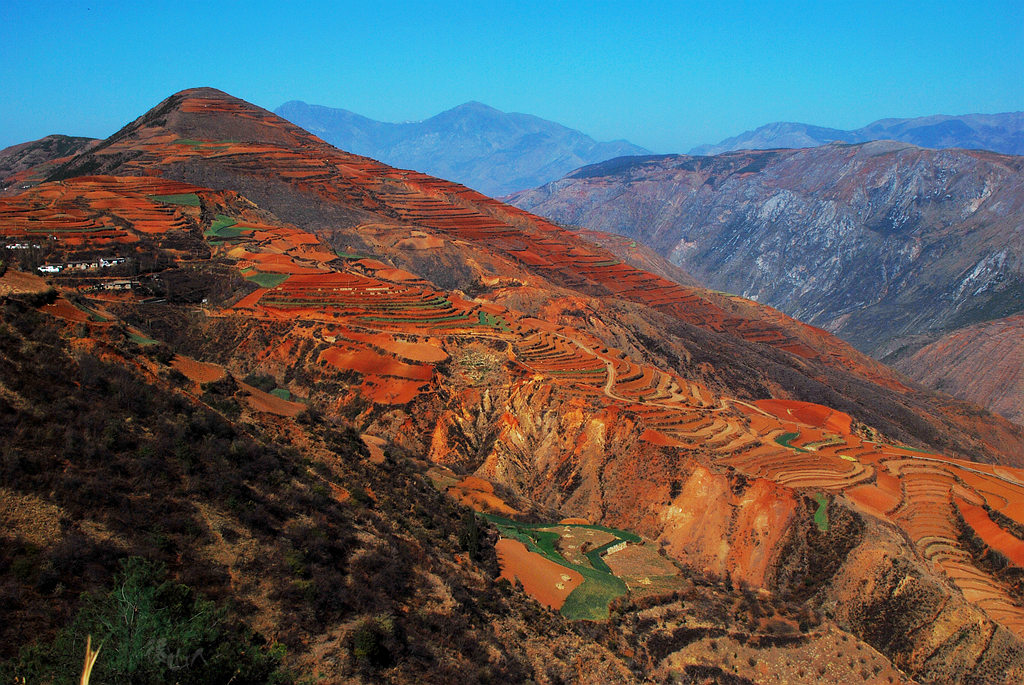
{"x": 81, "y": 265}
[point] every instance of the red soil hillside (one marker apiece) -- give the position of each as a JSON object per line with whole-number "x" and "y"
{"x": 638, "y": 255}
{"x": 207, "y": 137}
{"x": 602, "y": 396}
{"x": 982, "y": 363}
{"x": 748, "y": 446}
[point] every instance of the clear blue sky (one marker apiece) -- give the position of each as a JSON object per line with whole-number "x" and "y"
{"x": 666, "y": 75}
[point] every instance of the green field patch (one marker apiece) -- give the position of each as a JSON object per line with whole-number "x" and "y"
{"x": 265, "y": 280}
{"x": 439, "y": 304}
{"x": 283, "y": 393}
{"x": 55, "y": 230}
{"x": 494, "y": 321}
{"x": 191, "y": 142}
{"x": 594, "y": 555}
{"x": 786, "y": 438}
{"x": 141, "y": 339}
{"x": 225, "y": 227}
{"x": 610, "y": 262}
{"x": 351, "y": 255}
{"x": 91, "y": 313}
{"x": 399, "y": 319}
{"x": 590, "y": 600}
{"x": 186, "y": 199}
{"x": 912, "y": 449}
{"x": 821, "y": 515}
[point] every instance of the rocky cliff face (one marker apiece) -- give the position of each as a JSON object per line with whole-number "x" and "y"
{"x": 873, "y": 242}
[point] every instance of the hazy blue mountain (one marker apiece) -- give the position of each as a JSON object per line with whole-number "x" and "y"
{"x": 486, "y": 149}
{"x": 996, "y": 132}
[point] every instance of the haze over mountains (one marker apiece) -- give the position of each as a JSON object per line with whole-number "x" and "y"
{"x": 997, "y": 132}
{"x": 491, "y": 151}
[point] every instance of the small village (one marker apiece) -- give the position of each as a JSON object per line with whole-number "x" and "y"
{"x": 81, "y": 265}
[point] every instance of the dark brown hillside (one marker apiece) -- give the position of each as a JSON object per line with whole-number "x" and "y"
{"x": 29, "y": 163}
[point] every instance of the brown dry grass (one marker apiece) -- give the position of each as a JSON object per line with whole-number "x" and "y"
{"x": 30, "y": 518}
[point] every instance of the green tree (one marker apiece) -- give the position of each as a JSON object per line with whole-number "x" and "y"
{"x": 469, "y": 535}
{"x": 151, "y": 630}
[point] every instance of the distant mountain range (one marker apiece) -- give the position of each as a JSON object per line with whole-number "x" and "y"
{"x": 997, "y": 132}
{"x": 473, "y": 144}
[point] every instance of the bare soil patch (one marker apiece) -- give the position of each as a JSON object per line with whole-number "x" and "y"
{"x": 542, "y": 579}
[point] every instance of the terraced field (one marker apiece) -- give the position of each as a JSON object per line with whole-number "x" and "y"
{"x": 289, "y": 155}
{"x": 794, "y": 444}
{"x": 600, "y": 585}
{"x": 93, "y": 212}
{"x": 380, "y": 334}
{"x": 931, "y": 498}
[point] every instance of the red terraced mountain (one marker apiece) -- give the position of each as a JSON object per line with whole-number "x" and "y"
{"x": 355, "y": 203}
{"x": 307, "y": 297}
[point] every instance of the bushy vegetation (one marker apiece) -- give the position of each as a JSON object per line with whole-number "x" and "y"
{"x": 151, "y": 630}
{"x": 112, "y": 451}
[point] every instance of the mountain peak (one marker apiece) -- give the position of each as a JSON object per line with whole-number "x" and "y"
{"x": 480, "y": 146}
{"x": 475, "y": 106}
{"x": 204, "y": 92}
{"x": 191, "y": 115}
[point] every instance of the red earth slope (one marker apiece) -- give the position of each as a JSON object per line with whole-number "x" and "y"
{"x": 205, "y": 136}
{"x": 571, "y": 379}
{"x": 983, "y": 363}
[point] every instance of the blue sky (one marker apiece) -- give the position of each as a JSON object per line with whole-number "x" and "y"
{"x": 664, "y": 75}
